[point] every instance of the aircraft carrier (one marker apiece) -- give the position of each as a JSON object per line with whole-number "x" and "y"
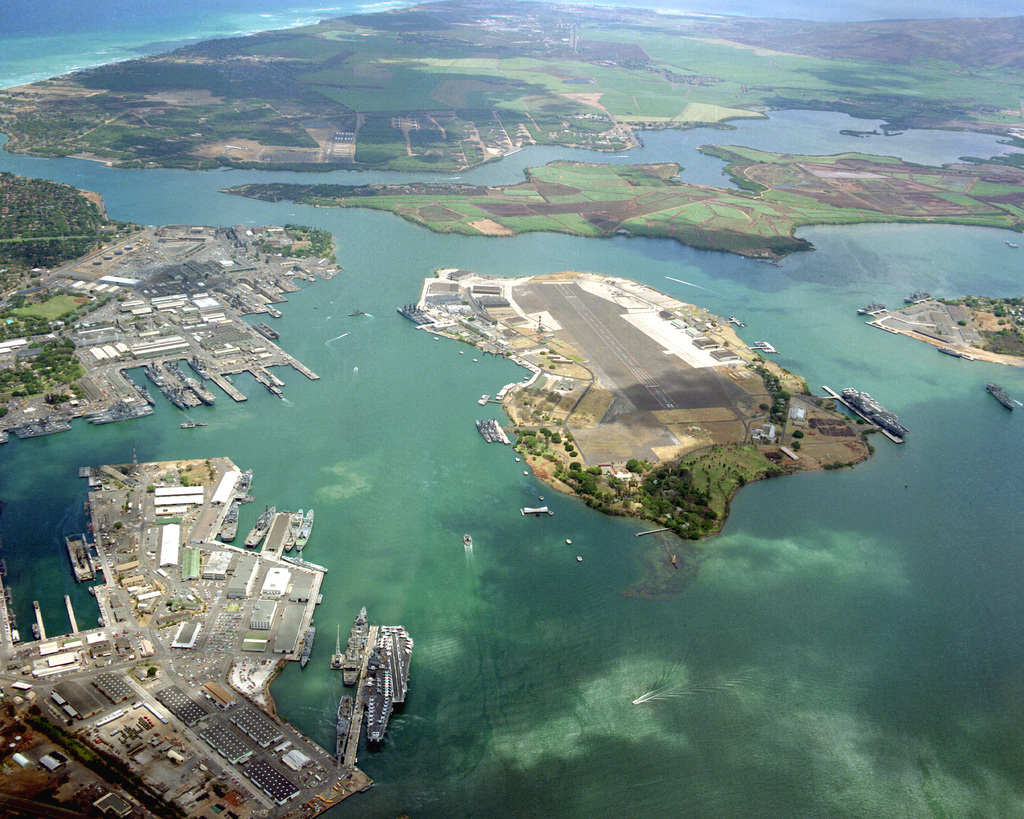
{"x": 387, "y": 680}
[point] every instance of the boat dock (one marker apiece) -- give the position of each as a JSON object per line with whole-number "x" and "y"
{"x": 39, "y": 620}
{"x": 840, "y": 400}
{"x": 5, "y": 618}
{"x": 71, "y": 614}
{"x": 352, "y": 744}
{"x": 232, "y": 391}
{"x": 273, "y": 546}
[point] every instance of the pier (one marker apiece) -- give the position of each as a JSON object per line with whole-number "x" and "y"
{"x": 273, "y": 546}
{"x": 232, "y": 391}
{"x": 352, "y": 744}
{"x": 39, "y": 620}
{"x": 5, "y": 619}
{"x": 71, "y": 614}
{"x": 840, "y": 400}
{"x": 651, "y": 532}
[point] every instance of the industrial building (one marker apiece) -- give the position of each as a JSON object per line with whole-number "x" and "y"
{"x": 276, "y": 582}
{"x": 288, "y": 629}
{"x": 170, "y": 541}
{"x": 217, "y": 564}
{"x": 263, "y": 615}
{"x": 302, "y": 587}
{"x": 244, "y": 577}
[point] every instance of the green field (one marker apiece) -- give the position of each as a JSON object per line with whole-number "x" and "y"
{"x": 783, "y": 193}
{"x": 443, "y": 87}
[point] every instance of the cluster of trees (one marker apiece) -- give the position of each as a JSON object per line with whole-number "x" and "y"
{"x": 55, "y": 365}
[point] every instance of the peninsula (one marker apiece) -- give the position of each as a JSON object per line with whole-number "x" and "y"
{"x": 446, "y": 86}
{"x": 974, "y": 328}
{"x": 639, "y": 403}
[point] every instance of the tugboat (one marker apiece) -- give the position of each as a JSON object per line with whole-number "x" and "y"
{"x": 1000, "y": 395}
{"x": 358, "y": 313}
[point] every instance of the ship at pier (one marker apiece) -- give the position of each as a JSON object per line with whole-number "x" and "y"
{"x": 304, "y": 531}
{"x": 870, "y": 409}
{"x": 387, "y": 679}
{"x": 345, "y": 707}
{"x": 354, "y": 650}
{"x": 261, "y": 528}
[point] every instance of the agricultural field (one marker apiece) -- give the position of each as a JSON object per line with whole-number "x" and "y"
{"x": 779, "y": 194}
{"x": 449, "y": 85}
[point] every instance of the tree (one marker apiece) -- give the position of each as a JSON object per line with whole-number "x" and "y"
{"x": 633, "y": 465}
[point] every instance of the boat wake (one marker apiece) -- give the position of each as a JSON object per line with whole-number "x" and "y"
{"x": 668, "y": 692}
{"x": 336, "y": 338}
{"x": 691, "y": 284}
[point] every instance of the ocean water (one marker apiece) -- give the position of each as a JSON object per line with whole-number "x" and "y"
{"x": 851, "y": 644}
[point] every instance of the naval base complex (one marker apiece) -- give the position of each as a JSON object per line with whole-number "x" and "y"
{"x": 171, "y": 687}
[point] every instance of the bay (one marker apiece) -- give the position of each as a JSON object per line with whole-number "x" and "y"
{"x": 852, "y": 643}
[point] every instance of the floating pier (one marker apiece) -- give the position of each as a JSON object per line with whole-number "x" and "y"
{"x": 71, "y": 614}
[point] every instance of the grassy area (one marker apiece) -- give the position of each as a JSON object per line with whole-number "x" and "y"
{"x": 476, "y": 89}
{"x": 780, "y": 194}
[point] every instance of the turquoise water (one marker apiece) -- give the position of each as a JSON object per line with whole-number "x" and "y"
{"x": 852, "y": 644}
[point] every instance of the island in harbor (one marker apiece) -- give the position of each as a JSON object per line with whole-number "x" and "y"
{"x": 639, "y": 403}
{"x": 775, "y": 195}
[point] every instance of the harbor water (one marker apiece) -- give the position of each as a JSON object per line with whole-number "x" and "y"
{"x": 851, "y": 645}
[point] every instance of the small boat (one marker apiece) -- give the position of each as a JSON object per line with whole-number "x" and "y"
{"x": 467, "y": 541}
{"x": 1011, "y": 244}
{"x": 568, "y": 542}
{"x": 579, "y": 558}
{"x": 190, "y": 424}
{"x": 356, "y": 312}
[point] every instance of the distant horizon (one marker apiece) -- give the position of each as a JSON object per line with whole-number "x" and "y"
{"x": 46, "y": 38}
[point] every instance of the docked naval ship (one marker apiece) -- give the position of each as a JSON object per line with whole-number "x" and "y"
{"x": 261, "y": 528}
{"x": 345, "y": 707}
{"x": 387, "y": 679}
{"x": 120, "y": 410}
{"x": 874, "y": 412}
{"x": 307, "y": 645}
{"x": 44, "y": 426}
{"x": 304, "y": 530}
{"x": 354, "y": 650}
{"x": 229, "y": 529}
{"x": 293, "y": 530}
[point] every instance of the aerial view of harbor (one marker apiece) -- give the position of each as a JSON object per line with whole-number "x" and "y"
{"x": 444, "y": 409}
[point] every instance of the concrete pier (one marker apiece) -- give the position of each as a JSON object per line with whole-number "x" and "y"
{"x": 39, "y": 620}
{"x": 233, "y": 392}
{"x": 352, "y": 744}
{"x": 273, "y": 546}
{"x": 5, "y": 619}
{"x": 71, "y": 614}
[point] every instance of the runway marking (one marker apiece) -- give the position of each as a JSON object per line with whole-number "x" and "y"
{"x": 620, "y": 352}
